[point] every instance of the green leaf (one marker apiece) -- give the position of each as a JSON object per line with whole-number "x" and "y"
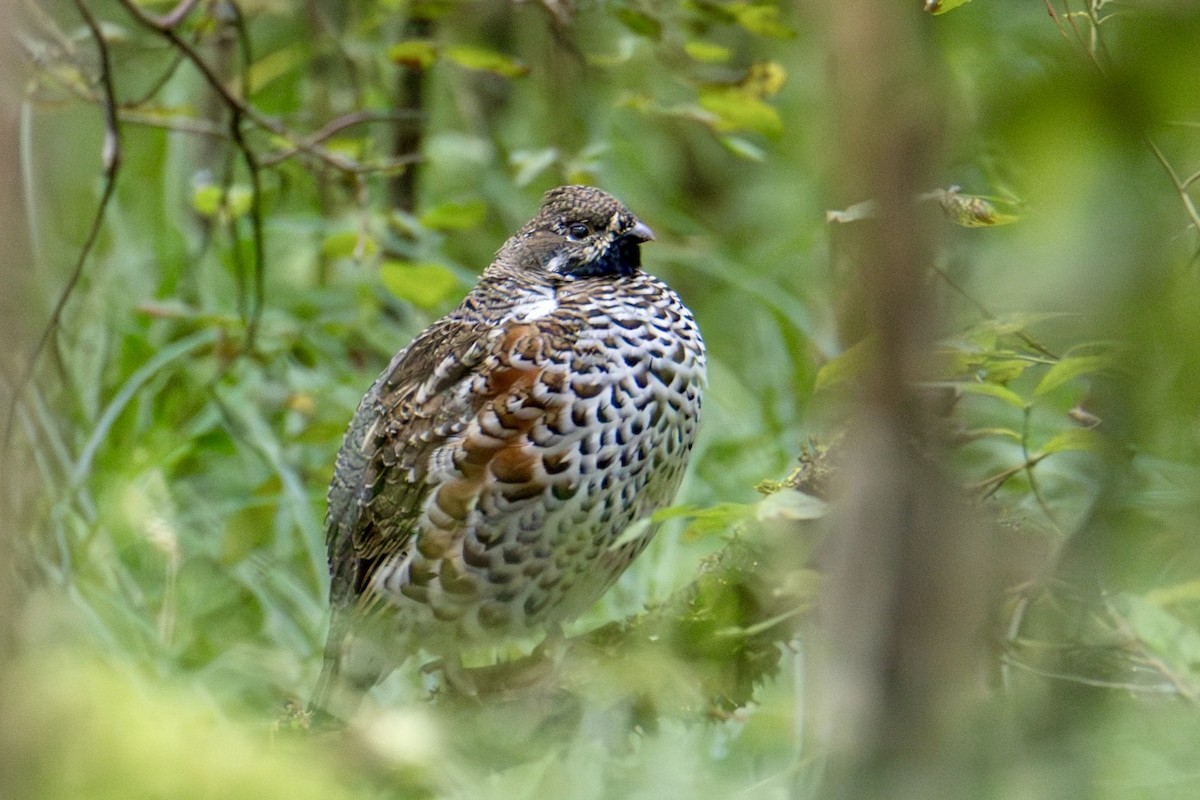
{"x": 1162, "y": 632}
{"x": 1070, "y": 368}
{"x": 414, "y": 53}
{"x": 531, "y": 163}
{"x": 718, "y": 519}
{"x": 846, "y": 366}
{"x": 422, "y": 284}
{"x": 454, "y": 216}
{"x": 640, "y": 22}
{"x": 211, "y": 200}
{"x": 735, "y": 109}
{"x": 707, "y": 52}
{"x": 206, "y": 200}
{"x": 484, "y": 60}
{"x": 1075, "y": 439}
{"x": 936, "y": 7}
{"x": 742, "y": 148}
{"x": 1005, "y": 370}
{"x": 1175, "y": 594}
{"x": 990, "y": 390}
{"x": 348, "y": 244}
{"x": 761, "y": 19}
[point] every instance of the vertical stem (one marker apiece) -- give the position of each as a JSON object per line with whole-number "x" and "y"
{"x": 903, "y": 609}
{"x": 410, "y": 127}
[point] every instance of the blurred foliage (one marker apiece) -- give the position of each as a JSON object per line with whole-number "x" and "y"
{"x": 256, "y": 266}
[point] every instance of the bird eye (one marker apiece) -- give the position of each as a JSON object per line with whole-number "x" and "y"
{"x": 577, "y": 231}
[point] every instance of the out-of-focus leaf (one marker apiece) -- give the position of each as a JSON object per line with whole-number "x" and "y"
{"x": 700, "y": 50}
{"x": 246, "y": 530}
{"x": 764, "y": 79}
{"x": 936, "y": 7}
{"x": 761, "y": 19}
{"x": 210, "y": 200}
{"x": 639, "y": 22}
{"x": 991, "y": 390}
{"x": 454, "y": 216}
{"x": 743, "y": 149}
{"x": 348, "y": 244}
{"x": 413, "y": 53}
{"x": 484, "y": 60}
{"x": 1073, "y": 439}
{"x": 1162, "y": 632}
{"x": 735, "y": 109}
{"x": 844, "y": 367}
{"x": 349, "y": 146}
{"x": 720, "y": 518}
{"x": 1005, "y": 370}
{"x": 531, "y": 163}
{"x": 1175, "y": 594}
{"x": 422, "y": 284}
{"x": 1070, "y": 368}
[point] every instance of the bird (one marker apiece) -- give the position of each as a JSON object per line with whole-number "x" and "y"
{"x": 486, "y": 486}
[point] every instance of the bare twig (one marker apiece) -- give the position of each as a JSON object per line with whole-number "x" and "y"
{"x": 110, "y": 155}
{"x": 256, "y": 210}
{"x": 165, "y": 27}
{"x": 1181, "y": 186}
{"x": 987, "y": 314}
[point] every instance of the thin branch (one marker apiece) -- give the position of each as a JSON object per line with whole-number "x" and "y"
{"x": 339, "y": 124}
{"x": 164, "y": 27}
{"x": 987, "y": 313}
{"x": 1180, "y": 186}
{"x": 110, "y": 155}
{"x": 256, "y": 211}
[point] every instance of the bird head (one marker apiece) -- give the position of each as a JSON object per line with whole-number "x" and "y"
{"x": 581, "y": 232}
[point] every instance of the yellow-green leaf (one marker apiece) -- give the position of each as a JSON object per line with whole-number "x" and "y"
{"x": 454, "y": 216}
{"x": 422, "y": 284}
{"x": 1004, "y": 370}
{"x": 347, "y": 244}
{"x": 847, "y": 365}
{"x": 1175, "y": 594}
{"x": 1073, "y": 439}
{"x": 1070, "y": 368}
{"x": 737, "y": 110}
{"x": 238, "y": 201}
{"x": 484, "y": 60}
{"x": 207, "y": 200}
{"x": 764, "y": 79}
{"x": 992, "y": 390}
{"x": 936, "y": 7}
{"x": 699, "y": 50}
{"x": 414, "y": 53}
{"x": 761, "y": 19}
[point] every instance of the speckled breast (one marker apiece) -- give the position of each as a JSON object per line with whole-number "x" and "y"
{"x": 587, "y": 410}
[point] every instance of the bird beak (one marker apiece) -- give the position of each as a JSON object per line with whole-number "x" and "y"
{"x": 641, "y": 232}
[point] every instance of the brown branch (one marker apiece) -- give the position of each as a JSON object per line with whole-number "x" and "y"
{"x": 164, "y": 27}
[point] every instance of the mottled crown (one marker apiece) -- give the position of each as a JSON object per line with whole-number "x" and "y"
{"x": 579, "y": 232}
